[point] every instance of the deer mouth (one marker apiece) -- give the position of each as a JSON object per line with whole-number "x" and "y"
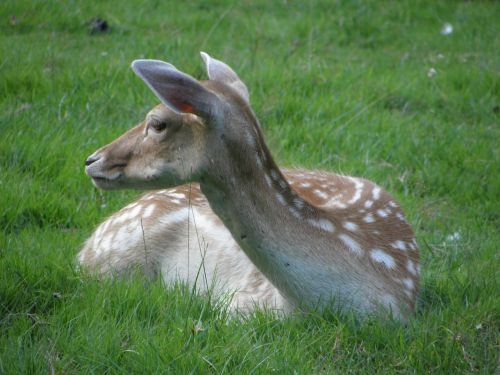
{"x": 104, "y": 180}
{"x": 106, "y": 183}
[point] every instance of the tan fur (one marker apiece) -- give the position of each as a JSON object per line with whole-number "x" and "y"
{"x": 308, "y": 237}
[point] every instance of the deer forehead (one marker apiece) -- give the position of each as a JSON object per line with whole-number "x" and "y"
{"x": 162, "y": 113}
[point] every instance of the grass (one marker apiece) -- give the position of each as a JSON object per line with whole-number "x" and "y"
{"x": 338, "y": 85}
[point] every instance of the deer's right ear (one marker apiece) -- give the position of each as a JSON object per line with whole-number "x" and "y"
{"x": 177, "y": 90}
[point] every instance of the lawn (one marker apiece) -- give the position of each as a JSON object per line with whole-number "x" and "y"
{"x": 367, "y": 88}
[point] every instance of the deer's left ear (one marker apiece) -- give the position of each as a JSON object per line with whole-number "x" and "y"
{"x": 221, "y": 72}
{"x": 177, "y": 90}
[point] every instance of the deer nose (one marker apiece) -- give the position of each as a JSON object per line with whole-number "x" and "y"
{"x": 91, "y": 159}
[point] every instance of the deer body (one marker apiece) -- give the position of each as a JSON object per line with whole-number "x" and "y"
{"x": 299, "y": 239}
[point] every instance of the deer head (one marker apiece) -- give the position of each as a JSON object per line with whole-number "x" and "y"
{"x": 170, "y": 146}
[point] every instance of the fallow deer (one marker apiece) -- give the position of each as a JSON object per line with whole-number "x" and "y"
{"x": 280, "y": 239}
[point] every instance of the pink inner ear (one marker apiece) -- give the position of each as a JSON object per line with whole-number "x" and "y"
{"x": 183, "y": 106}
{"x": 187, "y": 108}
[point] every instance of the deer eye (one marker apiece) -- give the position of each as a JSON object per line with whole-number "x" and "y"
{"x": 158, "y": 125}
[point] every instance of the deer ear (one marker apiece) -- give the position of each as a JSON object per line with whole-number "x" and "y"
{"x": 221, "y": 72}
{"x": 177, "y": 90}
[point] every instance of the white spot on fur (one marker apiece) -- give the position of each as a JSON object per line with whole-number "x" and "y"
{"x": 148, "y": 211}
{"x": 400, "y": 216}
{"x": 357, "y": 193}
{"x": 295, "y": 213}
{"x": 274, "y": 175}
{"x": 413, "y": 244}
{"x": 305, "y": 185}
{"x": 368, "y": 218}
{"x": 281, "y": 199}
{"x": 299, "y": 203}
{"x": 323, "y": 224}
{"x": 177, "y": 195}
{"x": 268, "y": 180}
{"x": 326, "y": 225}
{"x": 355, "y": 197}
{"x": 376, "y": 193}
{"x": 258, "y": 162}
{"x": 399, "y": 245}
{"x": 351, "y": 244}
{"x": 101, "y": 227}
{"x": 382, "y": 213}
{"x": 174, "y": 217}
{"x": 408, "y": 283}
{"x": 368, "y": 203}
{"x": 124, "y": 216}
{"x": 335, "y": 202}
{"x": 320, "y": 194}
{"x": 381, "y": 256}
{"x": 135, "y": 211}
{"x": 349, "y": 225}
{"x": 105, "y": 244}
{"x": 410, "y": 266}
{"x": 393, "y": 204}
{"x": 250, "y": 140}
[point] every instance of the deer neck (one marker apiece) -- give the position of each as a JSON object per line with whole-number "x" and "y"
{"x": 278, "y": 230}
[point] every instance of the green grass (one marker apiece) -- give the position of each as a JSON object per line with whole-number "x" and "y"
{"x": 338, "y": 85}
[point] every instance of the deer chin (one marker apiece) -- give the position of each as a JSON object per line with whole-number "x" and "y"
{"x": 122, "y": 181}
{"x": 105, "y": 183}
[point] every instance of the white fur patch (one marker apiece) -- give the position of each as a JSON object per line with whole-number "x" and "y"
{"x": 410, "y": 266}
{"x": 135, "y": 211}
{"x": 299, "y": 203}
{"x": 177, "y": 195}
{"x": 173, "y": 217}
{"x": 400, "y": 245}
{"x": 351, "y": 244}
{"x": 368, "y": 218}
{"x": 295, "y": 213}
{"x": 320, "y": 194}
{"x": 269, "y": 182}
{"x": 376, "y": 193}
{"x": 323, "y": 224}
{"x": 258, "y": 162}
{"x": 408, "y": 283}
{"x": 148, "y": 211}
{"x": 382, "y": 213}
{"x": 381, "y": 256}
{"x": 280, "y": 198}
{"x": 105, "y": 244}
{"x": 355, "y": 197}
{"x": 413, "y": 244}
{"x": 349, "y": 225}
